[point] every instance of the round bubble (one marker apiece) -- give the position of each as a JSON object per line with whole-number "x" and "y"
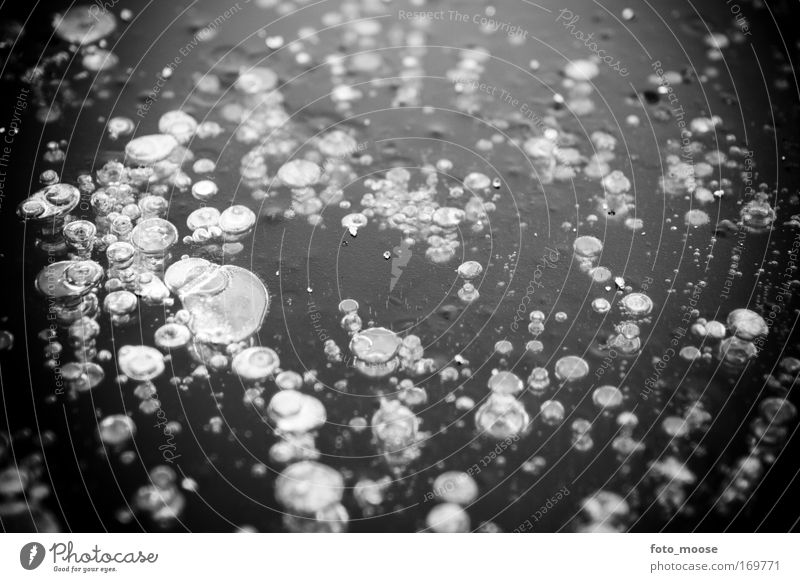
{"x": 84, "y": 24}
{"x": 154, "y": 235}
{"x": 116, "y": 429}
{"x": 178, "y": 124}
{"x": 296, "y": 413}
{"x": 506, "y": 383}
{"x": 448, "y": 518}
{"x": 588, "y": 247}
{"x": 746, "y": 324}
{"x": 149, "y": 149}
{"x": 140, "y": 363}
{"x": 308, "y": 487}
{"x": 375, "y": 345}
{"x": 571, "y": 368}
{"x": 172, "y": 336}
{"x": 455, "y": 487}
{"x": 502, "y": 417}
{"x": 637, "y": 304}
{"x": 299, "y": 173}
{"x": 256, "y": 363}
{"x": 470, "y": 270}
{"x": 205, "y": 217}
{"x": 237, "y": 220}
{"x": 448, "y": 217}
{"x": 607, "y": 397}
{"x": 552, "y": 412}
{"x": 289, "y": 380}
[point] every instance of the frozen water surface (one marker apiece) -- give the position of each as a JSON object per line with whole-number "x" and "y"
{"x": 335, "y": 260}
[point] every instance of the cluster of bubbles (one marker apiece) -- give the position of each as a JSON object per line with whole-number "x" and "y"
{"x": 395, "y": 429}
{"x": 71, "y": 289}
{"x": 375, "y": 351}
{"x": 469, "y": 271}
{"x": 415, "y": 211}
{"x": 311, "y": 493}
{"x": 226, "y": 304}
{"x": 748, "y": 329}
{"x": 694, "y": 170}
{"x": 378, "y": 352}
{"x": 769, "y": 430}
{"x": 47, "y": 211}
{"x": 295, "y": 418}
{"x": 604, "y": 511}
{"x": 503, "y": 415}
{"x": 671, "y": 480}
{"x": 116, "y": 429}
{"x": 162, "y": 500}
{"x": 218, "y": 233}
{"x": 223, "y": 306}
{"x": 454, "y": 491}
{"x": 23, "y": 486}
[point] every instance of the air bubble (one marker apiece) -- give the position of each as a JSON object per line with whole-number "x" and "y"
{"x": 256, "y": 363}
{"x": 116, "y": 429}
{"x": 172, "y": 336}
{"x": 636, "y": 304}
{"x": 607, "y": 397}
{"x": 470, "y": 270}
{"x": 746, "y": 324}
{"x": 506, "y": 383}
{"x": 299, "y": 173}
{"x": 571, "y": 368}
{"x": 149, "y": 149}
{"x": 140, "y": 363}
